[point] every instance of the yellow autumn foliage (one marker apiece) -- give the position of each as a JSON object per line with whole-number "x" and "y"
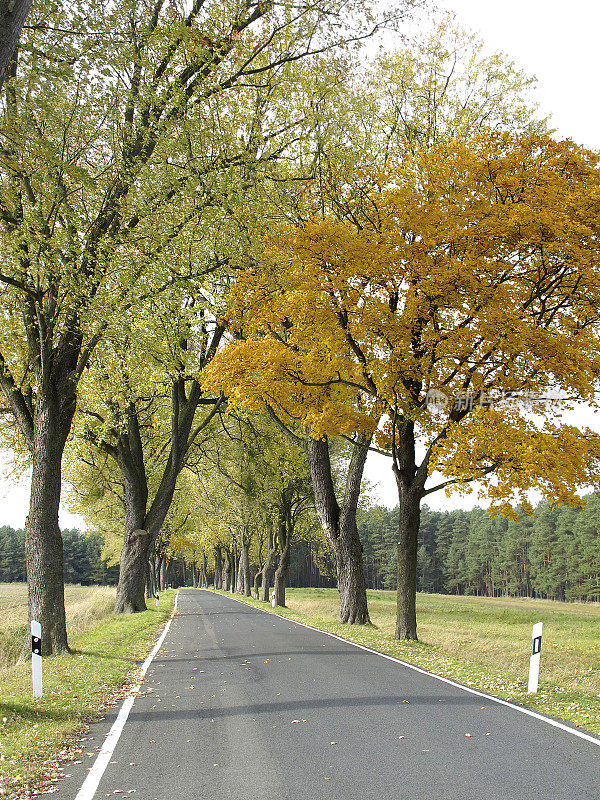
{"x": 470, "y": 268}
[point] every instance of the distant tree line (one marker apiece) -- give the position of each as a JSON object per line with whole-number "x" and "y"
{"x": 554, "y": 554}
{"x": 82, "y": 558}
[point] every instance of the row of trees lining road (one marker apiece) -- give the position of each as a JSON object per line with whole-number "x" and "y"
{"x": 424, "y": 275}
{"x": 210, "y": 208}
{"x": 114, "y": 117}
{"x": 554, "y": 554}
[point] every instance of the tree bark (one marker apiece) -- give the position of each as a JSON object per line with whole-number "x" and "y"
{"x": 245, "y": 564}
{"x": 257, "y": 583}
{"x": 352, "y": 587}
{"x": 267, "y": 570}
{"x": 339, "y": 525}
{"x": 239, "y": 585}
{"x": 408, "y": 532}
{"x": 218, "y": 583}
{"x": 132, "y": 573}
{"x": 226, "y": 571}
{"x": 410, "y": 482}
{"x": 12, "y": 19}
{"x": 281, "y": 575}
{"x": 43, "y": 540}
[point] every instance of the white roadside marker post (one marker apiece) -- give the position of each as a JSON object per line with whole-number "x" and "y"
{"x": 273, "y": 601}
{"x": 36, "y": 658}
{"x": 534, "y": 661}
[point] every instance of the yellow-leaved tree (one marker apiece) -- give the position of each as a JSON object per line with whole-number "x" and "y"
{"x": 426, "y": 304}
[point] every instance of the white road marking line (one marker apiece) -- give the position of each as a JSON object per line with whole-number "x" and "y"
{"x": 586, "y": 736}
{"x": 90, "y": 784}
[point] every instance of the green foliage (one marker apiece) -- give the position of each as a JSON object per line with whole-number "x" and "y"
{"x": 554, "y": 554}
{"x": 83, "y": 560}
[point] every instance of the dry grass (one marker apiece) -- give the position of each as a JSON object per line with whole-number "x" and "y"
{"x": 84, "y": 605}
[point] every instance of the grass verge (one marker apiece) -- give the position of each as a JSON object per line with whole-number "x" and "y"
{"x": 476, "y": 649}
{"x": 84, "y": 606}
{"x": 37, "y": 734}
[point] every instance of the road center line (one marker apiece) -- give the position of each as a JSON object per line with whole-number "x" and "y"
{"x": 90, "y": 784}
{"x": 586, "y": 736}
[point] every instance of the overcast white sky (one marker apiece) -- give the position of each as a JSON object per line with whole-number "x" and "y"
{"x": 555, "y": 41}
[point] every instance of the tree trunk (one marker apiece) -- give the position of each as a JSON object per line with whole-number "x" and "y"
{"x": 245, "y": 563}
{"x": 408, "y": 532}
{"x": 410, "y": 482}
{"x": 43, "y": 540}
{"x": 257, "y": 582}
{"x": 218, "y": 569}
{"x": 137, "y": 540}
{"x": 163, "y": 573}
{"x": 267, "y": 573}
{"x": 239, "y": 586}
{"x": 132, "y": 573}
{"x": 150, "y": 580}
{"x": 204, "y": 571}
{"x": 281, "y": 575}
{"x": 12, "y": 17}
{"x": 226, "y": 572}
{"x": 339, "y": 525}
{"x": 350, "y": 573}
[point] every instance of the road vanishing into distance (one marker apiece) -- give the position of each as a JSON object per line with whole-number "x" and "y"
{"x": 239, "y": 703}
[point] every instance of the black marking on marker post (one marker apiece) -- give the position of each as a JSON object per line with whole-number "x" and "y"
{"x": 36, "y": 646}
{"x": 536, "y": 646}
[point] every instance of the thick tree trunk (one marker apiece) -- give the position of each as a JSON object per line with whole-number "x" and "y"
{"x": 410, "y": 482}
{"x": 12, "y": 18}
{"x": 234, "y": 569}
{"x": 350, "y": 573}
{"x": 339, "y": 526}
{"x": 150, "y": 580}
{"x": 239, "y": 585}
{"x": 257, "y": 582}
{"x": 281, "y": 575}
{"x": 137, "y": 540}
{"x": 245, "y": 563}
{"x": 218, "y": 569}
{"x": 204, "y": 581}
{"x": 267, "y": 574}
{"x": 408, "y": 532}
{"x": 43, "y": 540}
{"x": 132, "y": 573}
{"x": 226, "y": 573}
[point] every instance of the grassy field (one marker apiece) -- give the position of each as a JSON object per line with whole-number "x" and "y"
{"x": 482, "y": 642}
{"x": 84, "y": 605}
{"x": 35, "y": 735}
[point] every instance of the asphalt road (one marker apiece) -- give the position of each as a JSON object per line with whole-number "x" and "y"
{"x": 242, "y": 704}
